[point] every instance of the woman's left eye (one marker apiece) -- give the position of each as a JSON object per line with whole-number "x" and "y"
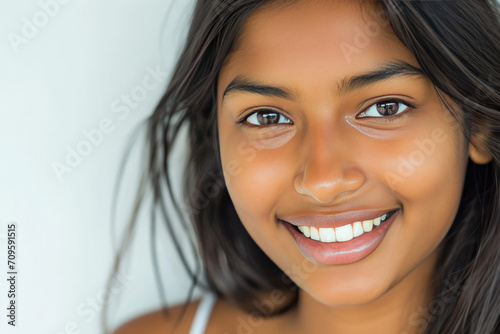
{"x": 386, "y": 108}
{"x": 266, "y": 117}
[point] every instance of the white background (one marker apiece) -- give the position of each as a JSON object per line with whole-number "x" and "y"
{"x": 64, "y": 70}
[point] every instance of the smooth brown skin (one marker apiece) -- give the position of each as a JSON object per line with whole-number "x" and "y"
{"x": 331, "y": 160}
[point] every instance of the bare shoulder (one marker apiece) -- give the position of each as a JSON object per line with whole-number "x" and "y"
{"x": 158, "y": 322}
{"x": 225, "y": 317}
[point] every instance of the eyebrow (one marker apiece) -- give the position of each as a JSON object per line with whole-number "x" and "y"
{"x": 346, "y": 85}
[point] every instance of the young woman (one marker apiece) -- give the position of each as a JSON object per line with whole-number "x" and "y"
{"x": 343, "y": 166}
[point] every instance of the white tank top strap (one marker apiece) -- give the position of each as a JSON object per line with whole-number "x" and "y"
{"x": 203, "y": 313}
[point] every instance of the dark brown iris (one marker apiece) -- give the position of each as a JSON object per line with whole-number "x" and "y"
{"x": 268, "y": 118}
{"x": 387, "y": 108}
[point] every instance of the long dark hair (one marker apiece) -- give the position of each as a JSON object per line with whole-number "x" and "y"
{"x": 457, "y": 44}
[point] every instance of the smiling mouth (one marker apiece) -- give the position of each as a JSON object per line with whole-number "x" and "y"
{"x": 343, "y": 233}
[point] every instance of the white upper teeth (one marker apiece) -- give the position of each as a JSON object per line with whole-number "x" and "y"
{"x": 342, "y": 233}
{"x": 367, "y": 225}
{"x": 327, "y": 234}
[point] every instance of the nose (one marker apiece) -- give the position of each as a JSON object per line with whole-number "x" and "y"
{"x": 329, "y": 170}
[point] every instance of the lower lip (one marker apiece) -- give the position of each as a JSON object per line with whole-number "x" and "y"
{"x": 337, "y": 253}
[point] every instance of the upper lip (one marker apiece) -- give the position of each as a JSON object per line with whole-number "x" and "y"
{"x": 333, "y": 220}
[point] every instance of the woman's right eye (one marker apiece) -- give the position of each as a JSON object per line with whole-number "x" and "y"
{"x": 266, "y": 118}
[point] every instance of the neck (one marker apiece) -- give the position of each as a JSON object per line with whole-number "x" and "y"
{"x": 402, "y": 309}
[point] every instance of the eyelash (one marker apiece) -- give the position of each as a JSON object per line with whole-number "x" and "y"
{"x": 390, "y": 118}
{"x": 244, "y": 122}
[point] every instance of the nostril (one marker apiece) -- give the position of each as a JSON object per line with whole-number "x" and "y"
{"x": 325, "y": 187}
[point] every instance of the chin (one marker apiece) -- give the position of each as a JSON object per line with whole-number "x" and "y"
{"x": 347, "y": 293}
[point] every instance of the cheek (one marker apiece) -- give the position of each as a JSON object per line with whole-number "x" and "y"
{"x": 256, "y": 174}
{"x": 427, "y": 177}
{"x": 430, "y": 166}
{"x": 260, "y": 178}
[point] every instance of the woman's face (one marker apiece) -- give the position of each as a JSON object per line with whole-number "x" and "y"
{"x": 327, "y": 123}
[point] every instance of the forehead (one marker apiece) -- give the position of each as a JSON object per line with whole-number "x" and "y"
{"x": 314, "y": 41}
